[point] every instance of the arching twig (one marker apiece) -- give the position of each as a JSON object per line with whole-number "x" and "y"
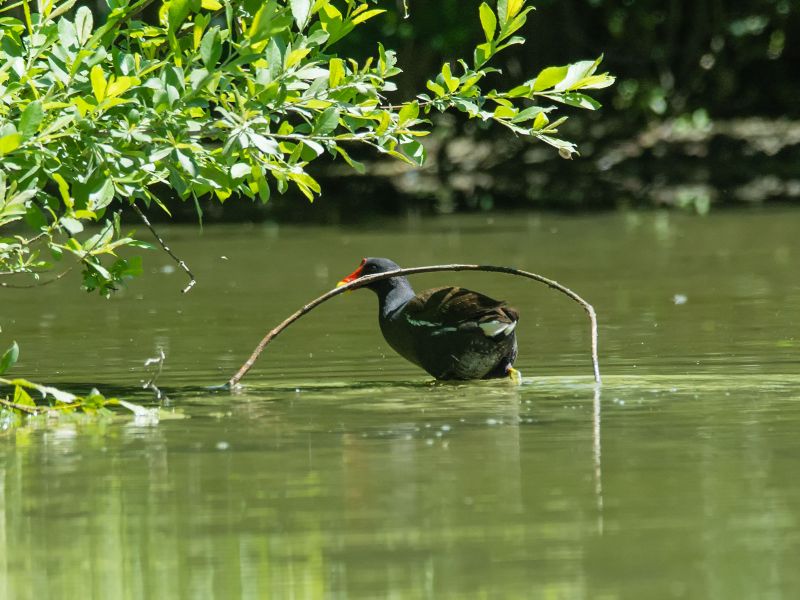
{"x": 362, "y": 281}
{"x": 161, "y": 242}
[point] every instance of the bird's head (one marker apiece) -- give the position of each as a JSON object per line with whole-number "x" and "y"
{"x": 371, "y": 266}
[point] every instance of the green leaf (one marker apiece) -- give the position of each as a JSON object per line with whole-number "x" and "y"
{"x": 359, "y": 167}
{"x": 579, "y": 100}
{"x": 502, "y": 11}
{"x": 67, "y": 34}
{"x": 504, "y": 112}
{"x": 240, "y": 170}
{"x": 186, "y": 163}
{"x": 98, "y": 82}
{"x": 508, "y": 9}
{"x": 540, "y": 121}
{"x": 266, "y": 145}
{"x": 415, "y": 151}
{"x": 102, "y": 196}
{"x": 21, "y": 397}
{"x": 451, "y": 82}
{"x": 488, "y": 21}
{"x": 594, "y": 82}
{"x": 336, "y": 72}
{"x": 263, "y": 188}
{"x": 482, "y": 53}
{"x": 361, "y": 17}
{"x": 576, "y": 72}
{"x": 305, "y": 183}
{"x": 300, "y": 11}
{"x": 269, "y": 21}
{"x": 30, "y": 119}
{"x": 549, "y": 77}
{"x": 10, "y": 142}
{"x": 73, "y": 226}
{"x": 435, "y": 88}
{"x": 83, "y": 24}
{"x": 63, "y": 188}
{"x": 119, "y": 85}
{"x": 100, "y": 270}
{"x": 520, "y": 91}
{"x": 409, "y": 112}
{"x": 327, "y": 121}
{"x": 211, "y": 47}
{"x": 177, "y": 12}
{"x": 527, "y": 114}
{"x": 9, "y": 358}
{"x": 61, "y": 9}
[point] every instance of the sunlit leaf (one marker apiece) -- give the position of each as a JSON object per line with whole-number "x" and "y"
{"x": 83, "y": 24}
{"x": 21, "y": 397}
{"x": 98, "y": 83}
{"x": 120, "y": 85}
{"x": 336, "y": 72}
{"x": 549, "y": 77}
{"x": 367, "y": 15}
{"x": 540, "y": 121}
{"x": 177, "y": 12}
{"x": 63, "y": 188}
{"x": 488, "y": 21}
{"x": 300, "y": 11}
{"x": 9, "y": 358}
{"x": 409, "y": 112}
{"x": 10, "y": 142}
{"x": 576, "y": 72}
{"x": 240, "y": 170}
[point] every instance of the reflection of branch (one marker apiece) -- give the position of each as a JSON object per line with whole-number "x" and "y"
{"x": 151, "y": 385}
{"x": 362, "y": 281}
{"x": 598, "y": 463}
{"x": 161, "y": 242}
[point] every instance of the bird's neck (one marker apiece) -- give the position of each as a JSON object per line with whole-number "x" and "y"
{"x": 393, "y": 294}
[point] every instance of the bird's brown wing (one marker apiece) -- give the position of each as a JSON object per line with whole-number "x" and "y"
{"x": 456, "y": 306}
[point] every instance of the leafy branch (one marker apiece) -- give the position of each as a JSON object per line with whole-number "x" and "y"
{"x": 221, "y": 98}
{"x": 53, "y": 401}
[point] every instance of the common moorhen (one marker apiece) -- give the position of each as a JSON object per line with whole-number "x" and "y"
{"x": 451, "y": 332}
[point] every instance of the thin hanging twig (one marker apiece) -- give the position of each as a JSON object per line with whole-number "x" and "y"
{"x": 362, "y": 281}
{"x": 161, "y": 242}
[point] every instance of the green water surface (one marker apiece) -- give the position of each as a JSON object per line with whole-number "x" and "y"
{"x": 341, "y": 471}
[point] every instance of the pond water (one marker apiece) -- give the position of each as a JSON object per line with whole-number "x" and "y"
{"x": 342, "y": 471}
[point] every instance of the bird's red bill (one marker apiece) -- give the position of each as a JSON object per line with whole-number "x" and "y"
{"x": 354, "y": 275}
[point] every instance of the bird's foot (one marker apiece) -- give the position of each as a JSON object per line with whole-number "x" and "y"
{"x": 514, "y": 375}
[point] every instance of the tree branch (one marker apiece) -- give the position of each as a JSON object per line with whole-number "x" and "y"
{"x": 181, "y": 264}
{"x": 362, "y": 281}
{"x": 26, "y": 408}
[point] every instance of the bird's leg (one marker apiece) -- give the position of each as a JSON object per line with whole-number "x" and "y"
{"x": 514, "y": 374}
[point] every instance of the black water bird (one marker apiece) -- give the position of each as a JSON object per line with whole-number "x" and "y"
{"x": 451, "y": 332}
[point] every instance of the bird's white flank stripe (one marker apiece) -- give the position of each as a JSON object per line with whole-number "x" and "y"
{"x": 495, "y": 328}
